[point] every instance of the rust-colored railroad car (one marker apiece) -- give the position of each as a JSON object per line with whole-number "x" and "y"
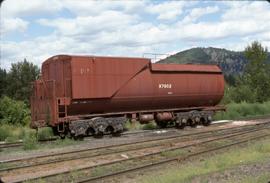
{"x": 91, "y": 94}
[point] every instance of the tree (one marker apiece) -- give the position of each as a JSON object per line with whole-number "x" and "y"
{"x": 3, "y": 81}
{"x": 256, "y": 74}
{"x": 230, "y": 79}
{"x": 19, "y": 80}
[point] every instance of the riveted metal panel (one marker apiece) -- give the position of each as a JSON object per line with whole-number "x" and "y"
{"x": 102, "y": 77}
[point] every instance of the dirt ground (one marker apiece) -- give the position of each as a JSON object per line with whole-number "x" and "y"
{"x": 237, "y": 174}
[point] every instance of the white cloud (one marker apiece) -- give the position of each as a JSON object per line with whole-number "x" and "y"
{"x": 36, "y": 50}
{"x": 236, "y": 21}
{"x": 198, "y": 12}
{"x": 265, "y": 36}
{"x": 86, "y": 8}
{"x": 167, "y": 10}
{"x": 244, "y": 11}
{"x": 206, "y": 30}
{"x": 106, "y": 21}
{"x": 15, "y": 8}
{"x": 9, "y": 25}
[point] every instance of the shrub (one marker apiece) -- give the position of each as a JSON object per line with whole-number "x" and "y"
{"x": 30, "y": 140}
{"x": 149, "y": 126}
{"x": 227, "y": 98}
{"x": 4, "y": 132}
{"x": 12, "y": 133}
{"x": 11, "y": 139}
{"x": 45, "y": 133}
{"x": 133, "y": 125}
{"x": 243, "y": 109}
{"x": 13, "y": 112}
{"x": 239, "y": 94}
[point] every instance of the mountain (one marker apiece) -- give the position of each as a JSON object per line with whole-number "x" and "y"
{"x": 230, "y": 62}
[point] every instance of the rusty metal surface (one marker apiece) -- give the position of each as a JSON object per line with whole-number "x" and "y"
{"x": 88, "y": 84}
{"x": 182, "y": 109}
{"x": 43, "y": 104}
{"x": 164, "y": 116}
{"x": 144, "y": 118}
{"x": 102, "y": 77}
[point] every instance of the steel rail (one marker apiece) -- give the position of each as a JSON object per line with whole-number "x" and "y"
{"x": 106, "y": 153}
{"x": 128, "y": 143}
{"x": 20, "y": 143}
{"x": 146, "y": 155}
{"x": 10, "y": 144}
{"x": 150, "y": 165}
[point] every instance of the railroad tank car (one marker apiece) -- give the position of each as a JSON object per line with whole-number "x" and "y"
{"x": 83, "y": 95}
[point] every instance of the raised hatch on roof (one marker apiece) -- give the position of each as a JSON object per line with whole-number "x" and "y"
{"x": 185, "y": 68}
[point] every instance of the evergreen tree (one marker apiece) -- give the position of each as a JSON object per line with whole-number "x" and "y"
{"x": 3, "y": 82}
{"x": 19, "y": 80}
{"x": 257, "y": 71}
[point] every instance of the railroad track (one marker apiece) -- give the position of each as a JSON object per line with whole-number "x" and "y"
{"x": 154, "y": 140}
{"x": 166, "y": 161}
{"x": 203, "y": 137}
{"x": 5, "y": 145}
{"x": 11, "y": 144}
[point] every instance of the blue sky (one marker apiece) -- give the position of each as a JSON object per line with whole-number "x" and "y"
{"x": 38, "y": 29}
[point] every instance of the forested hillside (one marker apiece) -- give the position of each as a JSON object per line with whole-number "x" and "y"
{"x": 231, "y": 62}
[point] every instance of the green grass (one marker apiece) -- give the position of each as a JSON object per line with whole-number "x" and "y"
{"x": 12, "y": 133}
{"x": 263, "y": 178}
{"x": 137, "y": 126}
{"x": 174, "y": 153}
{"x": 30, "y": 143}
{"x": 243, "y": 109}
{"x": 61, "y": 143}
{"x": 185, "y": 172}
{"x": 99, "y": 170}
